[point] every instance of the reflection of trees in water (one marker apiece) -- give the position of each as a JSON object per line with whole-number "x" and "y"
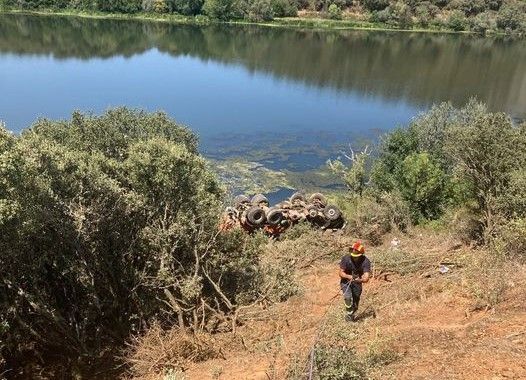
{"x": 423, "y": 68}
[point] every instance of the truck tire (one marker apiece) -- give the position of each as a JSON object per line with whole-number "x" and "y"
{"x": 319, "y": 198}
{"x": 240, "y": 199}
{"x": 274, "y": 216}
{"x": 258, "y": 198}
{"x": 332, "y": 212}
{"x": 297, "y": 197}
{"x": 284, "y": 205}
{"x": 256, "y": 216}
{"x": 312, "y": 211}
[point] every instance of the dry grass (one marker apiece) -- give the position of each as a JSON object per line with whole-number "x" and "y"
{"x": 410, "y": 322}
{"x": 163, "y": 353}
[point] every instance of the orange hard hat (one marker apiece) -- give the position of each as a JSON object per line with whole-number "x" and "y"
{"x": 358, "y": 247}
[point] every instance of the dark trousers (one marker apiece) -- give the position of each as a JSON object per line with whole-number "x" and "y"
{"x": 351, "y": 294}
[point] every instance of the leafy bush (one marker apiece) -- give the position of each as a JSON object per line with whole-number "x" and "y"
{"x": 422, "y": 185}
{"x": 484, "y": 22}
{"x": 452, "y": 157}
{"x": 219, "y": 9}
{"x": 119, "y": 6}
{"x": 512, "y": 18}
{"x": 156, "y": 6}
{"x": 284, "y": 8}
{"x": 457, "y": 21}
{"x": 106, "y": 222}
{"x": 186, "y": 7}
{"x": 512, "y": 202}
{"x": 393, "y": 150}
{"x": 255, "y": 10}
{"x": 487, "y": 149}
{"x": 375, "y": 5}
{"x": 425, "y": 12}
{"x": 468, "y": 7}
{"x": 399, "y": 14}
{"x": 417, "y": 176}
{"x": 334, "y": 12}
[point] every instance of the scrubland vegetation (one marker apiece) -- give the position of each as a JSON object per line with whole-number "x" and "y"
{"x": 479, "y": 16}
{"x": 463, "y": 167}
{"x": 109, "y": 246}
{"x": 106, "y": 224}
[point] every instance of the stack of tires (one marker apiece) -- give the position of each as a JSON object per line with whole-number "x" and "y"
{"x": 255, "y": 213}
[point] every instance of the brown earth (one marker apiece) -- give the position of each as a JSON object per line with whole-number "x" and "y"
{"x": 432, "y": 323}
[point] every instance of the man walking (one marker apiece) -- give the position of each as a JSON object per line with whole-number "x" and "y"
{"x": 355, "y": 270}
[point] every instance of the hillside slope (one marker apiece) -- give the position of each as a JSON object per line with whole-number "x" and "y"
{"x": 415, "y": 322}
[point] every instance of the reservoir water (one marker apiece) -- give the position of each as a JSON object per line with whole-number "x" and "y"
{"x": 285, "y": 99}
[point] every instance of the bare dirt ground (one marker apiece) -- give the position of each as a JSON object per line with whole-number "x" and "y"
{"x": 269, "y": 343}
{"x": 433, "y": 323}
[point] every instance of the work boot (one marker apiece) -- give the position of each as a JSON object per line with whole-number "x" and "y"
{"x": 350, "y": 317}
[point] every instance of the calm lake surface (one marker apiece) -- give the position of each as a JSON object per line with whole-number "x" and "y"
{"x": 287, "y": 99}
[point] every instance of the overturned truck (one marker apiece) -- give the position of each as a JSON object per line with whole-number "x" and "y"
{"x": 256, "y": 213}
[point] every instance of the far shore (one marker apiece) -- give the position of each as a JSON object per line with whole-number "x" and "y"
{"x": 315, "y": 23}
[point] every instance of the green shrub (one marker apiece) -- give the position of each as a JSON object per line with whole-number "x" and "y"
{"x": 155, "y": 6}
{"x": 425, "y": 13}
{"x": 475, "y": 143}
{"x": 120, "y": 6}
{"x": 219, "y": 9}
{"x": 375, "y": 5}
{"x": 512, "y": 18}
{"x": 400, "y": 15}
{"x": 465, "y": 225}
{"x": 423, "y": 185}
{"x": 104, "y": 222}
{"x": 469, "y": 7}
{"x": 397, "y": 14}
{"x": 284, "y": 8}
{"x": 483, "y": 23}
{"x": 186, "y": 7}
{"x": 419, "y": 177}
{"x": 512, "y": 202}
{"x": 393, "y": 149}
{"x": 334, "y": 12}
{"x": 450, "y": 157}
{"x": 255, "y": 10}
{"x": 457, "y": 21}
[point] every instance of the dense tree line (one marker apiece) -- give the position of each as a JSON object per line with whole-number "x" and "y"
{"x": 481, "y": 16}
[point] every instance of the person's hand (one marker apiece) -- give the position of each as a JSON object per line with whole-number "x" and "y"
{"x": 351, "y": 278}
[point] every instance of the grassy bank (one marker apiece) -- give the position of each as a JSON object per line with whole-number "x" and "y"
{"x": 316, "y": 23}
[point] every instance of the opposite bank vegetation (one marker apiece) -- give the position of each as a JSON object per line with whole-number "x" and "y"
{"x": 108, "y": 226}
{"x": 474, "y": 16}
